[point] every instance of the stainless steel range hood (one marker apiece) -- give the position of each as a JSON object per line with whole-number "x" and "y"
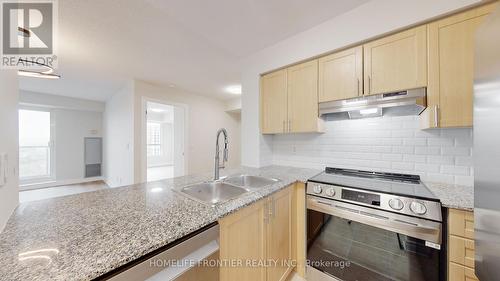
{"x": 410, "y": 102}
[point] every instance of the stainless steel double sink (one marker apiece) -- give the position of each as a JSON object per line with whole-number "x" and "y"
{"x": 216, "y": 192}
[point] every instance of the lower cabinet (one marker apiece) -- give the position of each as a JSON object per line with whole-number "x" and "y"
{"x": 256, "y": 242}
{"x": 461, "y": 273}
{"x": 461, "y": 245}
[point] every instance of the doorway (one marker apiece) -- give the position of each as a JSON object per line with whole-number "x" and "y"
{"x": 165, "y": 141}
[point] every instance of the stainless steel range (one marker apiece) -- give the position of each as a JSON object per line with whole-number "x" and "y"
{"x": 368, "y": 226}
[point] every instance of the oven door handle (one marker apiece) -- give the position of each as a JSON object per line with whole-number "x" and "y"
{"x": 413, "y": 227}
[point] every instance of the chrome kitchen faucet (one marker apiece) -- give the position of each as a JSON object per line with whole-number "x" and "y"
{"x": 217, "y": 152}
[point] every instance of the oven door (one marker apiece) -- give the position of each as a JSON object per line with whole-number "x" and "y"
{"x": 350, "y": 242}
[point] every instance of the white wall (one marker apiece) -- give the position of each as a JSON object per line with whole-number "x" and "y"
{"x": 71, "y": 127}
{"x": 62, "y": 102}
{"x": 9, "y": 131}
{"x": 385, "y": 144}
{"x": 119, "y": 138}
{"x": 205, "y": 117}
{"x": 74, "y": 119}
{"x": 372, "y": 19}
{"x": 234, "y": 105}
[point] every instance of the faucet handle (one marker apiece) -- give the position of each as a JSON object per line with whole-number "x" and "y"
{"x": 225, "y": 156}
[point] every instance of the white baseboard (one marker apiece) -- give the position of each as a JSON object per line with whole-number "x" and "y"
{"x": 32, "y": 186}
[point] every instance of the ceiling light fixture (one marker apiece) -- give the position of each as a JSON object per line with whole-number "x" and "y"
{"x": 234, "y": 89}
{"x": 47, "y": 73}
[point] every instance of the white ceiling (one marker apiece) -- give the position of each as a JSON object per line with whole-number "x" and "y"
{"x": 195, "y": 45}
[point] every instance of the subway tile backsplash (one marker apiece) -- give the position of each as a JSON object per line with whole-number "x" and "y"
{"x": 383, "y": 144}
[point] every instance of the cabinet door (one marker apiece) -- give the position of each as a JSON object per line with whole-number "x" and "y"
{"x": 458, "y": 272}
{"x": 243, "y": 238}
{"x": 461, "y": 250}
{"x": 397, "y": 62}
{"x": 274, "y": 102}
{"x": 451, "y": 68}
{"x": 341, "y": 75}
{"x": 461, "y": 223}
{"x": 303, "y": 97}
{"x": 279, "y": 236}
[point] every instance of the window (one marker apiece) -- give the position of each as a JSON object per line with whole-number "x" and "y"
{"x": 34, "y": 145}
{"x": 154, "y": 139}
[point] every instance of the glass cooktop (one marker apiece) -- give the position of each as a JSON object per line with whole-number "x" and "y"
{"x": 391, "y": 183}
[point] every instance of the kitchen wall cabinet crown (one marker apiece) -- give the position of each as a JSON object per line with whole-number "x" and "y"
{"x": 451, "y": 69}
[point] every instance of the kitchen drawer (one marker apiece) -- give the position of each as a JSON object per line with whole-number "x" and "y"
{"x": 461, "y": 223}
{"x": 458, "y": 272}
{"x": 461, "y": 250}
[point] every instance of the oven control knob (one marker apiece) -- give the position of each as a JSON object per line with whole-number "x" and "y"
{"x": 418, "y": 208}
{"x": 396, "y": 204}
{"x": 330, "y": 192}
{"x": 317, "y": 189}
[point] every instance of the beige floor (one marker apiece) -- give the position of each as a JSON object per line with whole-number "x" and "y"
{"x": 51, "y": 192}
{"x": 160, "y": 173}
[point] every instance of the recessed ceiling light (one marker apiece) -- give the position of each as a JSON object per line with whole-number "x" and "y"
{"x": 171, "y": 85}
{"x": 234, "y": 89}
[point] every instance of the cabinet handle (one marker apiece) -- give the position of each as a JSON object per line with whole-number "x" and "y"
{"x": 369, "y": 84}
{"x": 266, "y": 213}
{"x": 358, "y": 86}
{"x": 436, "y": 116}
{"x": 274, "y": 207}
{"x": 271, "y": 208}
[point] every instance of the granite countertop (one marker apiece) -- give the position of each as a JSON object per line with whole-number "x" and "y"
{"x": 453, "y": 195}
{"x": 83, "y": 236}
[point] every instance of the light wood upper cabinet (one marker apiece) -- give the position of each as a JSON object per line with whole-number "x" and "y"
{"x": 397, "y": 62}
{"x": 279, "y": 235}
{"x": 451, "y": 69}
{"x": 243, "y": 237}
{"x": 341, "y": 75}
{"x": 274, "y": 96}
{"x": 289, "y": 100}
{"x": 303, "y": 98}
